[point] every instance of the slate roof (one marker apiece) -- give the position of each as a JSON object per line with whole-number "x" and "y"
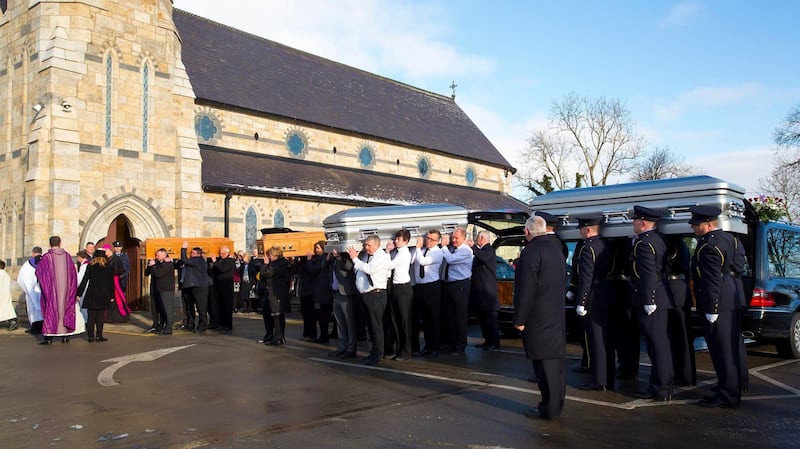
{"x": 230, "y": 67}
{"x": 281, "y": 177}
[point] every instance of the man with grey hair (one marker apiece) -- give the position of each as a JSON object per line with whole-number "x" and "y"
{"x": 371, "y": 278}
{"x": 539, "y": 289}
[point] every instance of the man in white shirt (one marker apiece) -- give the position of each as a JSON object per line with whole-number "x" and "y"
{"x": 401, "y": 294}
{"x": 455, "y": 294}
{"x": 428, "y": 292}
{"x": 372, "y": 276}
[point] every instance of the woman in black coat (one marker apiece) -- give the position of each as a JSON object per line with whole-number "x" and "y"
{"x": 276, "y": 274}
{"x": 97, "y": 290}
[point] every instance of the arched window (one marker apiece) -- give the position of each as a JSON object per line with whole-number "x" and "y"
{"x": 250, "y": 229}
{"x": 145, "y": 105}
{"x": 109, "y": 90}
{"x": 279, "y": 220}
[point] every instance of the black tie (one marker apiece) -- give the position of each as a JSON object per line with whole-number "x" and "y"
{"x": 421, "y": 267}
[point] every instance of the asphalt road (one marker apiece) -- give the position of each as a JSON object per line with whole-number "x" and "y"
{"x": 227, "y": 391}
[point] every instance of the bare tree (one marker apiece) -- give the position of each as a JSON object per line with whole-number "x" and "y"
{"x": 787, "y": 137}
{"x": 592, "y": 138}
{"x": 784, "y": 182}
{"x": 662, "y": 163}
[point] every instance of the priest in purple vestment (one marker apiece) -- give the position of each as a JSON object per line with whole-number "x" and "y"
{"x": 58, "y": 280}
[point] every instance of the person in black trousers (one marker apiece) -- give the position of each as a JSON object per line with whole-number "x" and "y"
{"x": 483, "y": 291}
{"x": 222, "y": 269}
{"x": 195, "y": 280}
{"x": 716, "y": 268}
{"x": 309, "y": 269}
{"x": 539, "y": 290}
{"x": 97, "y": 290}
{"x": 651, "y": 300}
{"x": 594, "y": 300}
{"x": 162, "y": 270}
{"x": 276, "y": 274}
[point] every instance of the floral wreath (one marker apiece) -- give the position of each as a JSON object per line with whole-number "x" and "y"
{"x": 769, "y": 207}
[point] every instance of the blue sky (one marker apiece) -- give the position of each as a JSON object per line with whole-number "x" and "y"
{"x": 708, "y": 79}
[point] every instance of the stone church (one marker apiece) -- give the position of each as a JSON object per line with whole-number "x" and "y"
{"x": 128, "y": 120}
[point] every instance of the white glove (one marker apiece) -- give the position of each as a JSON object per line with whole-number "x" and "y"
{"x": 580, "y": 310}
{"x": 712, "y": 317}
{"x": 570, "y": 296}
{"x": 649, "y": 308}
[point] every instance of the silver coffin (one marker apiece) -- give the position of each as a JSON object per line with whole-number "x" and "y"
{"x": 351, "y": 226}
{"x": 615, "y": 203}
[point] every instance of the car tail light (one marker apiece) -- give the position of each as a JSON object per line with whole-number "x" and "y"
{"x": 762, "y": 298}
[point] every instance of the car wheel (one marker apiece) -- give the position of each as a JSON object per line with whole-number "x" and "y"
{"x": 791, "y": 348}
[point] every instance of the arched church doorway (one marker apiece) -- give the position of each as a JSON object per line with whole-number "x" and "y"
{"x": 120, "y": 229}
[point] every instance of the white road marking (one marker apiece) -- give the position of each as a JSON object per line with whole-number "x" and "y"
{"x": 630, "y": 405}
{"x": 106, "y": 377}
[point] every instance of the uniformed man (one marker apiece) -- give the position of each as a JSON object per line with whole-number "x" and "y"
{"x": 594, "y": 301}
{"x": 716, "y": 267}
{"x": 651, "y": 300}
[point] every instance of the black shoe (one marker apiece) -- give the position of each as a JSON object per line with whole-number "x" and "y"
{"x": 152, "y": 330}
{"x": 490, "y": 347}
{"x": 371, "y": 360}
{"x": 593, "y": 387}
{"x": 655, "y": 397}
{"x": 400, "y": 357}
{"x": 431, "y": 354}
{"x": 277, "y": 342}
{"x": 101, "y": 338}
{"x": 165, "y": 332}
{"x": 64, "y": 339}
{"x": 321, "y": 340}
{"x": 716, "y": 402}
{"x": 91, "y": 339}
{"x": 46, "y": 341}
{"x": 536, "y": 413}
{"x": 347, "y": 355}
{"x": 532, "y": 379}
{"x": 389, "y": 355}
{"x": 12, "y": 325}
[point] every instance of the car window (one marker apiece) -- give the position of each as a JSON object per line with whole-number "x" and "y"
{"x": 783, "y": 251}
{"x": 505, "y": 272}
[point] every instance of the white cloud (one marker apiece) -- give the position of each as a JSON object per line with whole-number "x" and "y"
{"x": 705, "y": 98}
{"x": 681, "y": 13}
{"x": 744, "y": 167}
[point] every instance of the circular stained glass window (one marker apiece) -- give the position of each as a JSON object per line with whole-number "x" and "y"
{"x": 470, "y": 176}
{"x": 424, "y": 166}
{"x": 205, "y": 127}
{"x": 366, "y": 156}
{"x": 296, "y": 144}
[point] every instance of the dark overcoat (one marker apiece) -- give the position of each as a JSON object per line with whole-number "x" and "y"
{"x": 539, "y": 289}
{"x": 98, "y": 284}
{"x": 483, "y": 291}
{"x": 277, "y": 274}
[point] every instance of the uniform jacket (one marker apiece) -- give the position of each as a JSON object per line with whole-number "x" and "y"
{"x": 649, "y": 260}
{"x": 717, "y": 264}
{"x": 678, "y": 272}
{"x": 539, "y": 289}
{"x": 594, "y": 264}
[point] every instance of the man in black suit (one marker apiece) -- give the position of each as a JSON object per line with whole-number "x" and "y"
{"x": 194, "y": 279}
{"x": 222, "y": 269}
{"x": 594, "y": 302}
{"x": 716, "y": 268}
{"x": 539, "y": 289}
{"x": 162, "y": 270}
{"x": 483, "y": 290}
{"x": 651, "y": 300}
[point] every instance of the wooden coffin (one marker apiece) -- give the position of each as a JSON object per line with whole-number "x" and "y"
{"x": 210, "y": 245}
